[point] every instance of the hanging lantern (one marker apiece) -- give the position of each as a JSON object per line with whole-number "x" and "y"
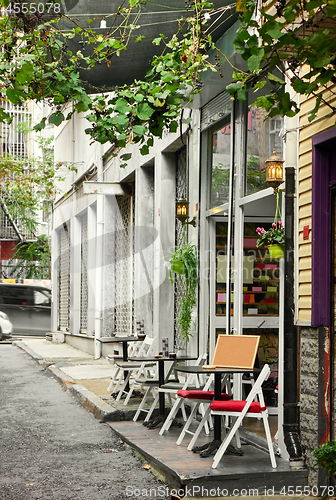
{"x": 182, "y": 212}
{"x": 274, "y": 171}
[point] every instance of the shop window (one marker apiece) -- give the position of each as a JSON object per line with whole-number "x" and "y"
{"x": 262, "y": 137}
{"x": 220, "y": 164}
{"x": 260, "y": 287}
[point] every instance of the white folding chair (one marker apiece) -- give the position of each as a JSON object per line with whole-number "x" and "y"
{"x": 198, "y": 398}
{"x": 128, "y": 367}
{"x": 170, "y": 388}
{"x": 240, "y": 410}
{"x": 132, "y": 350}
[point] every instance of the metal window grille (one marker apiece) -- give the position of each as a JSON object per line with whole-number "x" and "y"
{"x": 64, "y": 280}
{"x": 215, "y": 110}
{"x": 124, "y": 274}
{"x": 13, "y": 143}
{"x": 182, "y": 190}
{"x": 84, "y": 275}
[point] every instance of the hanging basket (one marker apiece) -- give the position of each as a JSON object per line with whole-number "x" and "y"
{"x": 276, "y": 251}
{"x": 177, "y": 266}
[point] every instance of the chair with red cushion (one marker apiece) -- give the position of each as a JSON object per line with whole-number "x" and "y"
{"x": 197, "y": 398}
{"x": 243, "y": 409}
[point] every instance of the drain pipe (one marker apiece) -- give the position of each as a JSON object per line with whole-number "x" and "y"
{"x": 291, "y": 403}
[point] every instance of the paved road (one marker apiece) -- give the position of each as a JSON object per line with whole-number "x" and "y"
{"x": 53, "y": 449}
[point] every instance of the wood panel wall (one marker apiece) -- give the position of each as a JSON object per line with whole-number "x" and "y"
{"x": 323, "y": 122}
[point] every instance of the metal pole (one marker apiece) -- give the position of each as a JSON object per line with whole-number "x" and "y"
{"x": 291, "y": 404}
{"x": 230, "y": 223}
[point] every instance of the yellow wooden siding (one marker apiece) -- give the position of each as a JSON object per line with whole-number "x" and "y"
{"x": 304, "y": 315}
{"x": 305, "y": 263}
{"x": 304, "y": 221}
{"x": 305, "y": 276}
{"x": 305, "y": 211}
{"x": 305, "y": 302}
{"x": 305, "y": 185}
{"x": 305, "y": 289}
{"x": 307, "y": 131}
{"x": 305, "y": 172}
{"x": 305, "y": 249}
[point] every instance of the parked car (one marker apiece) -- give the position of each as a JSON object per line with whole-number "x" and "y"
{"x": 6, "y": 326}
{"x": 27, "y": 306}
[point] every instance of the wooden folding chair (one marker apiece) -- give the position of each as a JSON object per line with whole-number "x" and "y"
{"x": 246, "y": 408}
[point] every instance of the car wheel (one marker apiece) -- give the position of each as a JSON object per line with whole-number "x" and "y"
{"x": 1, "y": 336}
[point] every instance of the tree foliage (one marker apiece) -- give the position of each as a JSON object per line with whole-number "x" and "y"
{"x": 294, "y": 37}
{"x": 37, "y": 64}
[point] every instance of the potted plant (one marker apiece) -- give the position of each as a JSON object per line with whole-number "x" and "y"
{"x": 325, "y": 456}
{"x": 273, "y": 238}
{"x": 184, "y": 262}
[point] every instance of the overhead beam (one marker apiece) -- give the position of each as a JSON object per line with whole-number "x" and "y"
{"x": 107, "y": 188}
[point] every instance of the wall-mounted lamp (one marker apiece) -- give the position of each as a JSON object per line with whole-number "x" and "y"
{"x": 274, "y": 171}
{"x": 182, "y": 212}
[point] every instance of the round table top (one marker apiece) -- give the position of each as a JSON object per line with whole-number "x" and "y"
{"x": 163, "y": 358}
{"x": 129, "y": 338}
{"x": 199, "y": 369}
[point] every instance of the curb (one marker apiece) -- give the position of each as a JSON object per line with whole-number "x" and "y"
{"x": 90, "y": 401}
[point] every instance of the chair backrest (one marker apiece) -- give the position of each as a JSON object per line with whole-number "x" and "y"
{"x": 147, "y": 347}
{"x": 194, "y": 379}
{"x": 236, "y": 351}
{"x": 256, "y": 389}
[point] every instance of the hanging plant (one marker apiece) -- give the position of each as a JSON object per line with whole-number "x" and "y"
{"x": 184, "y": 262}
{"x": 273, "y": 236}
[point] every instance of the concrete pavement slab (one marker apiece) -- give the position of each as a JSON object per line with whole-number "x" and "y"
{"x": 85, "y": 371}
{"x": 51, "y": 351}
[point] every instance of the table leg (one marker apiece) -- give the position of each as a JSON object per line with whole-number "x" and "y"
{"x": 125, "y": 358}
{"x": 210, "y": 448}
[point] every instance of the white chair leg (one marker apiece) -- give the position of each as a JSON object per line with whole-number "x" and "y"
{"x": 187, "y": 424}
{"x": 142, "y": 405}
{"x": 221, "y": 450}
{"x": 123, "y": 387}
{"x": 184, "y": 415}
{"x": 206, "y": 425}
{"x": 269, "y": 440}
{"x": 152, "y": 408}
{"x": 167, "y": 423}
{"x": 199, "y": 428}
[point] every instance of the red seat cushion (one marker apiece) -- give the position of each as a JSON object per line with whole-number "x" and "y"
{"x": 203, "y": 395}
{"x": 236, "y": 406}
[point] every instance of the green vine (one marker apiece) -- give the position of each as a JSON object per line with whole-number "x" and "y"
{"x": 186, "y": 253}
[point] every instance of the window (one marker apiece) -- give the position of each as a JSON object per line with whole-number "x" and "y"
{"x": 262, "y": 137}
{"x": 42, "y": 298}
{"x": 220, "y": 163}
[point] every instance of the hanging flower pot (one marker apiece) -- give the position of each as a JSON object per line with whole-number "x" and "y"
{"x": 276, "y": 251}
{"x": 177, "y": 266}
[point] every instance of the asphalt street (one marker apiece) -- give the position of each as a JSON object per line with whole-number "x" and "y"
{"x": 52, "y": 448}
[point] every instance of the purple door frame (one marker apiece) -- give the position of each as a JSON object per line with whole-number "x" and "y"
{"x": 323, "y": 178}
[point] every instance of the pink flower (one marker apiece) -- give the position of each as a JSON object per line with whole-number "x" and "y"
{"x": 274, "y": 224}
{"x": 280, "y": 223}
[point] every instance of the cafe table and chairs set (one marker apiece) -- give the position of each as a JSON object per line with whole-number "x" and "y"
{"x": 208, "y": 389}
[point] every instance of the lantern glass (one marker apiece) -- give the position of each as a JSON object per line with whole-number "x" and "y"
{"x": 182, "y": 210}
{"x": 274, "y": 170}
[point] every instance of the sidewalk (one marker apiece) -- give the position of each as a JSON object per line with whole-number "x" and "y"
{"x": 87, "y": 379}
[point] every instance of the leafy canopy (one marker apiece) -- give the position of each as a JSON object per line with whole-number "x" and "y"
{"x": 37, "y": 64}
{"x": 295, "y": 37}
